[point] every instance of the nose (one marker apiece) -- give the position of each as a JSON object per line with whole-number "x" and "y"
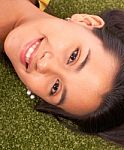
{"x": 44, "y": 63}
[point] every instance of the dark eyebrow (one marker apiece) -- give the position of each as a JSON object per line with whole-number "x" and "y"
{"x": 63, "y": 96}
{"x": 84, "y": 62}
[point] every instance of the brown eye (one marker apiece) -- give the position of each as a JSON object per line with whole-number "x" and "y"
{"x": 55, "y": 87}
{"x": 73, "y": 56}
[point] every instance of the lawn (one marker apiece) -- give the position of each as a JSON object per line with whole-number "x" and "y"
{"x": 21, "y": 127}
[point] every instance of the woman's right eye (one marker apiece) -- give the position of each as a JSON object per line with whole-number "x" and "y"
{"x": 55, "y": 87}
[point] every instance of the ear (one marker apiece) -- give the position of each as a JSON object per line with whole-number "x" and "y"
{"x": 89, "y": 21}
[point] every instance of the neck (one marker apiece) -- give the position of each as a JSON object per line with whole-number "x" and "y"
{"x": 15, "y": 13}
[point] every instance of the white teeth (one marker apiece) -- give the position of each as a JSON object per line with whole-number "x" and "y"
{"x": 34, "y": 46}
{"x": 30, "y": 51}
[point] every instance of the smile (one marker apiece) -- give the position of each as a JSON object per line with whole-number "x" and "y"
{"x": 28, "y": 51}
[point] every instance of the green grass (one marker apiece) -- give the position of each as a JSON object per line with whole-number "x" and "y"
{"x": 22, "y": 128}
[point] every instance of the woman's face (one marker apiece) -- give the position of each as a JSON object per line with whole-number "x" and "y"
{"x": 61, "y": 61}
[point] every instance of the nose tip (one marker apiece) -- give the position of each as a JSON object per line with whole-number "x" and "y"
{"x": 43, "y": 63}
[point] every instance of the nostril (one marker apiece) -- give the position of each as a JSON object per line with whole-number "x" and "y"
{"x": 46, "y": 55}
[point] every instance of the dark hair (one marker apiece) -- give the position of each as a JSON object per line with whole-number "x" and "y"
{"x": 108, "y": 120}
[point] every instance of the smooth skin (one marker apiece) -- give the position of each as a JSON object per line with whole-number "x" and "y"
{"x": 54, "y": 67}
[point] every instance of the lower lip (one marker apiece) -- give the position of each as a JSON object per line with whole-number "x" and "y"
{"x": 25, "y": 49}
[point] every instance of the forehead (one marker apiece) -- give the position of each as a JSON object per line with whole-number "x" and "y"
{"x": 85, "y": 89}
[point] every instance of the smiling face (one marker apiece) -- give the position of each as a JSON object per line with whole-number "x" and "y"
{"x": 62, "y": 61}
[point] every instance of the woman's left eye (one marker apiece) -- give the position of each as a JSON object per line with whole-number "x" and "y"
{"x": 55, "y": 87}
{"x": 73, "y": 56}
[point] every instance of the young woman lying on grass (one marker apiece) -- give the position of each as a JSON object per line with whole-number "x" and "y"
{"x": 75, "y": 65}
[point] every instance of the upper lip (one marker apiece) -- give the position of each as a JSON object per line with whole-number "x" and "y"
{"x": 26, "y": 49}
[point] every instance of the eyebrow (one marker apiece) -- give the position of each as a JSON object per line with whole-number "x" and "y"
{"x": 83, "y": 63}
{"x": 63, "y": 97}
{"x": 79, "y": 68}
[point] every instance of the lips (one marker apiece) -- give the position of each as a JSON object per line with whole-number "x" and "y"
{"x": 28, "y": 50}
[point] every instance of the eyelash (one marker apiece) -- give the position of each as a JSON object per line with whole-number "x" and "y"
{"x": 73, "y": 56}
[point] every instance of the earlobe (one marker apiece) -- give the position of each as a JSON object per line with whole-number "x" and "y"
{"x": 90, "y": 21}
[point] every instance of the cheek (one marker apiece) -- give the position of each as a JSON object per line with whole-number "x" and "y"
{"x": 33, "y": 82}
